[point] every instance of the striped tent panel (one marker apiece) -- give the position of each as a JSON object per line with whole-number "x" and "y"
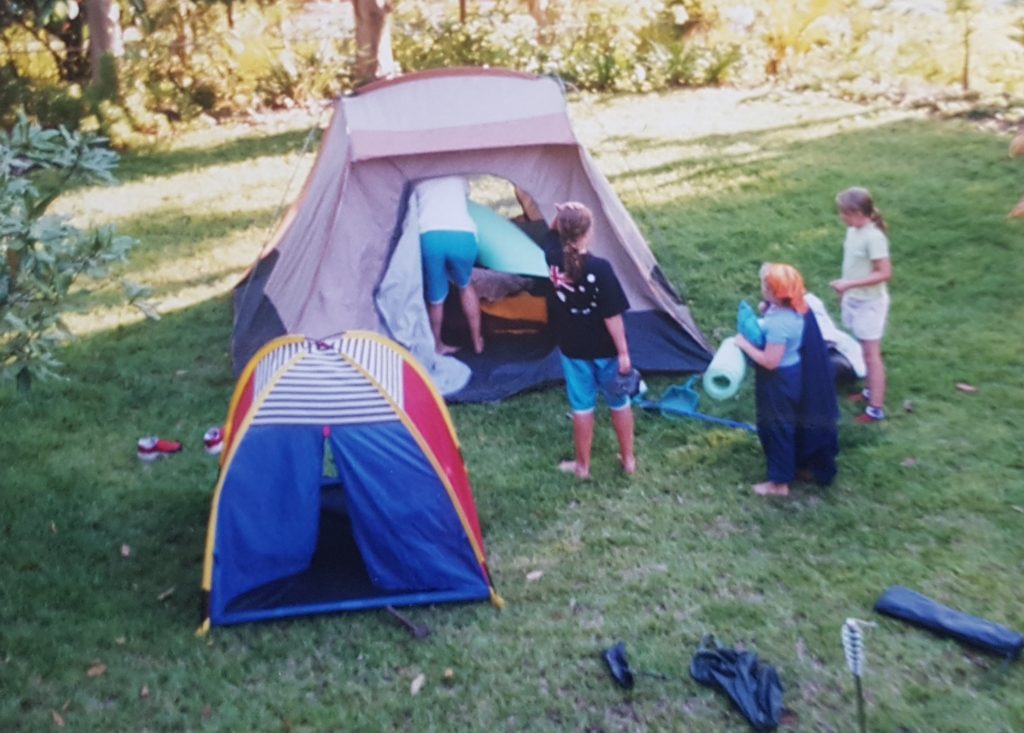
{"x": 272, "y": 363}
{"x": 380, "y": 360}
{"x": 322, "y": 389}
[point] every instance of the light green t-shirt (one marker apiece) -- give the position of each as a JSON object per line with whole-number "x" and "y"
{"x": 861, "y": 246}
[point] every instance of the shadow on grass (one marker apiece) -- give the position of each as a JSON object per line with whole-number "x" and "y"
{"x": 135, "y": 166}
{"x": 176, "y": 232}
{"x": 171, "y": 236}
{"x": 719, "y": 141}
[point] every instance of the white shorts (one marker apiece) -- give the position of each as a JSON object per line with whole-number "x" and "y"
{"x": 866, "y": 318}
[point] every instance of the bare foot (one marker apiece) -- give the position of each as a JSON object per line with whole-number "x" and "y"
{"x": 571, "y": 467}
{"x": 444, "y": 349}
{"x": 628, "y": 465}
{"x": 770, "y": 488}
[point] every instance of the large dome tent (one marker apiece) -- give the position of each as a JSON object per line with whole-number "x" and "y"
{"x": 346, "y": 254}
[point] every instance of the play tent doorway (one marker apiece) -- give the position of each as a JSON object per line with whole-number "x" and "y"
{"x": 342, "y": 487}
{"x": 345, "y": 257}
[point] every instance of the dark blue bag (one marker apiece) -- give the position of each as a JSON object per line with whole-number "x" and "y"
{"x": 914, "y": 608}
{"x": 753, "y": 687}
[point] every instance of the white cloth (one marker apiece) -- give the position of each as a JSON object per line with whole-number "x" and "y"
{"x": 441, "y": 203}
{"x": 400, "y": 302}
{"x": 843, "y": 342}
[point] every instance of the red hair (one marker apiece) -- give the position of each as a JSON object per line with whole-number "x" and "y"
{"x": 786, "y": 285}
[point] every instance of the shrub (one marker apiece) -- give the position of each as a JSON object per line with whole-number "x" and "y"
{"x": 41, "y": 255}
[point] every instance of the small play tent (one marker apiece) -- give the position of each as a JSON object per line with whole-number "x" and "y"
{"x": 342, "y": 487}
{"x": 346, "y": 254}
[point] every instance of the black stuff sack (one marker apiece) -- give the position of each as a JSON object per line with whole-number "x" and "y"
{"x": 618, "y": 665}
{"x": 753, "y": 687}
{"x": 906, "y": 605}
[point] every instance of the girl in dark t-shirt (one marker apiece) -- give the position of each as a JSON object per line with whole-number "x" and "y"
{"x": 586, "y": 303}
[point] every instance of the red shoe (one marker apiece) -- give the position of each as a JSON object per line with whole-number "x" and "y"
{"x": 213, "y": 441}
{"x": 152, "y": 448}
{"x": 870, "y": 415}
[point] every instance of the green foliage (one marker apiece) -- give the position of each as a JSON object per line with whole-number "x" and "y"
{"x": 425, "y": 40}
{"x": 192, "y": 58}
{"x": 42, "y": 255}
{"x": 58, "y": 105}
{"x": 612, "y": 46}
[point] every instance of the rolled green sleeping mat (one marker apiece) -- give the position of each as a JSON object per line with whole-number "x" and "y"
{"x": 504, "y": 247}
{"x": 914, "y": 608}
{"x": 724, "y": 374}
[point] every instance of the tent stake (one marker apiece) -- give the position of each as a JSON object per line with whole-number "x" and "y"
{"x": 417, "y": 631}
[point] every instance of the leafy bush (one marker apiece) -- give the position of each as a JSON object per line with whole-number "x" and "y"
{"x": 611, "y": 46}
{"x": 43, "y": 255}
{"x": 189, "y": 58}
{"x": 424, "y": 41}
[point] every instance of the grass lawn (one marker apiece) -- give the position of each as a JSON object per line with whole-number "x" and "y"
{"x": 101, "y": 555}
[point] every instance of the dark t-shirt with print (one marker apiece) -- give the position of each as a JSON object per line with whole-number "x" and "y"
{"x": 578, "y": 310}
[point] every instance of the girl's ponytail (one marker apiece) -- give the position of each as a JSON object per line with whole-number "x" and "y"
{"x": 572, "y": 222}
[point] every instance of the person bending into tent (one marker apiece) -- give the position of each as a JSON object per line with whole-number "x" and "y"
{"x": 449, "y": 248}
{"x": 586, "y": 307}
{"x": 794, "y": 386}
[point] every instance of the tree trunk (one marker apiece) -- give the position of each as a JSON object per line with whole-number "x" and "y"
{"x": 104, "y": 19}
{"x": 540, "y": 11}
{"x": 373, "y": 40}
{"x": 965, "y": 72}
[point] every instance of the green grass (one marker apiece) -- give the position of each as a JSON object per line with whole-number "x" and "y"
{"x": 680, "y": 550}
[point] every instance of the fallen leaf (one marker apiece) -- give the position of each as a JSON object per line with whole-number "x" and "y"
{"x": 417, "y": 684}
{"x": 180, "y": 372}
{"x": 908, "y": 406}
{"x": 57, "y": 719}
{"x": 121, "y": 641}
{"x": 96, "y": 670}
{"x": 144, "y": 692}
{"x": 166, "y": 594}
{"x": 908, "y": 462}
{"x": 449, "y": 674}
{"x": 968, "y": 388}
{"x": 125, "y": 550}
{"x": 534, "y": 575}
{"x": 1018, "y": 508}
{"x": 53, "y": 527}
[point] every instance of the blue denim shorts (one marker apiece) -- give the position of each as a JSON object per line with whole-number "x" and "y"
{"x": 583, "y": 379}
{"x": 447, "y": 255}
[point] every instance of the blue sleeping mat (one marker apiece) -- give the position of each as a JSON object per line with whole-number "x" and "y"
{"x": 914, "y": 608}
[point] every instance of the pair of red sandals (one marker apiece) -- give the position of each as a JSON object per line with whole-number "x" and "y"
{"x": 151, "y": 448}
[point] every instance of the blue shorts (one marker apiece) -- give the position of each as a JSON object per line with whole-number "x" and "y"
{"x": 446, "y": 255}
{"x": 584, "y": 377}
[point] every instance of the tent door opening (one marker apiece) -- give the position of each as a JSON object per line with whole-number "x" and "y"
{"x": 336, "y": 570}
